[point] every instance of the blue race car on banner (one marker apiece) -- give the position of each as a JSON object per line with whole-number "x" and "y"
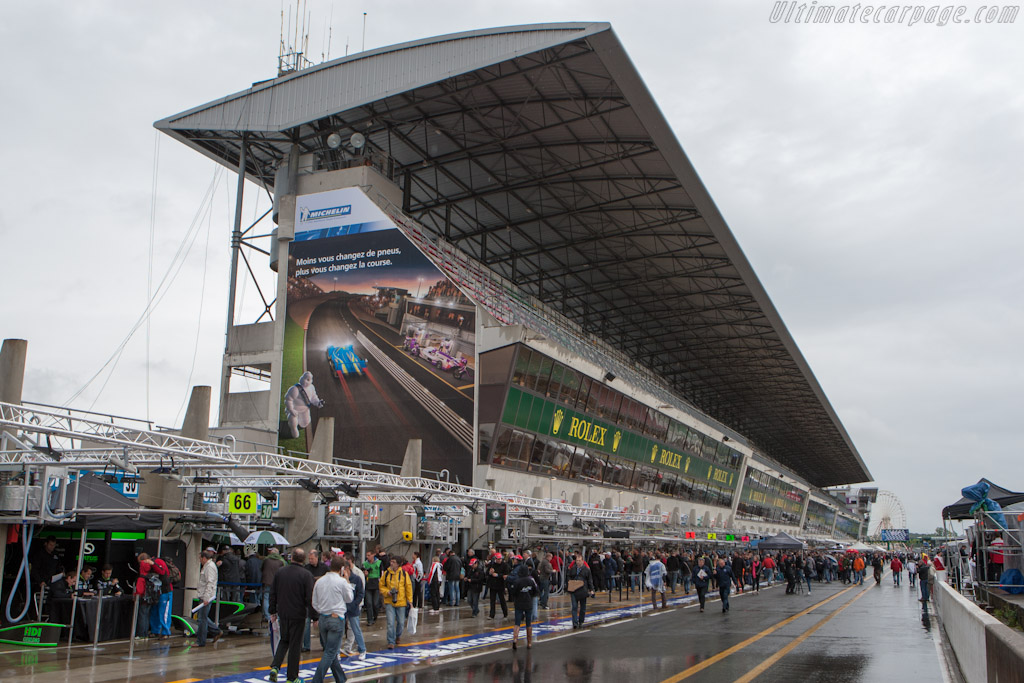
{"x": 344, "y": 361}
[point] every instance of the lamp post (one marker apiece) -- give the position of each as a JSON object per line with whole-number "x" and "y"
{"x": 551, "y": 488}
{"x": 590, "y": 487}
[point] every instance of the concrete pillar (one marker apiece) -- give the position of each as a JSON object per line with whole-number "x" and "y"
{"x": 413, "y": 460}
{"x": 196, "y": 425}
{"x": 197, "y": 418}
{"x": 12, "y": 369}
{"x": 303, "y": 524}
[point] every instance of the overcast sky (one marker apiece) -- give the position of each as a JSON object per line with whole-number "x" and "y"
{"x": 872, "y": 174}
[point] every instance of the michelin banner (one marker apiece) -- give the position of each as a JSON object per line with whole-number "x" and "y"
{"x": 377, "y": 338}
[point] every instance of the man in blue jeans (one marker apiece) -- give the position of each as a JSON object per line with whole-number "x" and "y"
{"x": 207, "y": 591}
{"x": 332, "y": 594}
{"x": 353, "y": 643}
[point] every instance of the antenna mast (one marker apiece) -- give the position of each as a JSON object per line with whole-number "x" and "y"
{"x": 292, "y": 53}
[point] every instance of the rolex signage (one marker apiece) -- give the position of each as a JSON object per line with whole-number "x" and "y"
{"x": 542, "y": 416}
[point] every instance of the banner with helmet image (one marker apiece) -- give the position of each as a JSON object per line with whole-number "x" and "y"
{"x": 376, "y": 337}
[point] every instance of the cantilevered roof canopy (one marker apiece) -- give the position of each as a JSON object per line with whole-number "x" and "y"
{"x": 539, "y": 151}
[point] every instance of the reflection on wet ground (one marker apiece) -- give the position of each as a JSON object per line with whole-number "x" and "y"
{"x": 886, "y": 634}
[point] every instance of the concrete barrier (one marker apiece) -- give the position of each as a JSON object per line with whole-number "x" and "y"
{"x": 1004, "y": 650}
{"x": 965, "y": 624}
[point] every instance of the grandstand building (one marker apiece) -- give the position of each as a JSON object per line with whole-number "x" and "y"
{"x": 502, "y": 225}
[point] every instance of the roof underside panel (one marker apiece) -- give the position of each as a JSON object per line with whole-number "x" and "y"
{"x": 521, "y": 148}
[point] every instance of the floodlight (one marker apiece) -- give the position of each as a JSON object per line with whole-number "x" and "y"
{"x": 334, "y": 141}
{"x": 357, "y": 140}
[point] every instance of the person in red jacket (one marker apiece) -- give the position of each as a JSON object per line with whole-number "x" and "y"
{"x": 897, "y": 570}
{"x": 142, "y": 624}
{"x": 769, "y": 564}
{"x": 160, "y": 613}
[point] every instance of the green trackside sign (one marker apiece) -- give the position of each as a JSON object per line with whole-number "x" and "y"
{"x": 538, "y": 415}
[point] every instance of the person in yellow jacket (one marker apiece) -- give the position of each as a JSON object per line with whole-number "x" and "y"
{"x": 396, "y": 589}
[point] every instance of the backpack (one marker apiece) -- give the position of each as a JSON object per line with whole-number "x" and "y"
{"x": 151, "y": 595}
{"x": 173, "y": 571}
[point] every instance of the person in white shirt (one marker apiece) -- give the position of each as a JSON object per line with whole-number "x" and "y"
{"x": 207, "y": 589}
{"x": 331, "y": 594}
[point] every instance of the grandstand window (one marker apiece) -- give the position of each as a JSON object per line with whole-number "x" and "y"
{"x": 694, "y": 442}
{"x": 621, "y": 471}
{"x": 530, "y": 380}
{"x": 608, "y": 408}
{"x": 591, "y": 467}
{"x": 519, "y": 449}
{"x": 724, "y": 456}
{"x": 668, "y": 484}
{"x": 543, "y": 375}
{"x": 710, "y": 448}
{"x": 501, "y": 445}
{"x": 486, "y": 439}
{"x": 677, "y": 434}
{"x": 593, "y": 398}
{"x": 570, "y": 386}
{"x": 656, "y": 424}
{"x": 561, "y": 458}
{"x": 537, "y": 455}
{"x": 584, "y": 394}
{"x": 555, "y": 385}
{"x": 577, "y": 463}
{"x": 522, "y": 366}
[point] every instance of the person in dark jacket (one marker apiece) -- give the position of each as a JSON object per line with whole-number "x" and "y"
{"x": 453, "y": 570}
{"x": 475, "y": 578}
{"x": 271, "y": 564}
{"x": 611, "y": 569}
{"x": 685, "y": 574}
{"x": 739, "y": 568}
{"x": 701, "y": 576}
{"x": 496, "y": 571}
{"x": 229, "y": 568}
{"x": 317, "y": 568}
{"x": 672, "y": 565}
{"x": 597, "y": 571}
{"x": 354, "y": 639}
{"x": 291, "y": 602}
{"x": 579, "y": 571}
{"x": 254, "y": 574}
{"x": 725, "y": 578}
{"x": 524, "y": 589}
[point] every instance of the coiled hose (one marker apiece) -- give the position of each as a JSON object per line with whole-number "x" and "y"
{"x": 26, "y": 543}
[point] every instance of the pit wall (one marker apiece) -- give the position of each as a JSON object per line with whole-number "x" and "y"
{"x": 986, "y": 649}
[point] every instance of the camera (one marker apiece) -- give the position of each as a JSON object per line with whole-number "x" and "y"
{"x": 394, "y": 594}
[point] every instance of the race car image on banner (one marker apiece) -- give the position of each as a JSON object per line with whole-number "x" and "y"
{"x": 385, "y": 339}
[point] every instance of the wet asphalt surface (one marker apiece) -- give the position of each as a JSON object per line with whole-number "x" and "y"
{"x": 863, "y": 634}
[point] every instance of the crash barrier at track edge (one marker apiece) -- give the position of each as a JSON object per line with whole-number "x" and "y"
{"x": 985, "y": 648}
{"x": 458, "y": 427}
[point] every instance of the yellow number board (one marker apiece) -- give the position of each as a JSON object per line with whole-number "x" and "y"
{"x": 243, "y": 503}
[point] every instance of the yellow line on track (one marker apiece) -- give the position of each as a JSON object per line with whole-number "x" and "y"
{"x": 766, "y": 664}
{"x": 711, "y": 661}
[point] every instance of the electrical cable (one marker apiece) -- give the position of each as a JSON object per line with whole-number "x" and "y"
{"x": 26, "y": 544}
{"x": 162, "y": 288}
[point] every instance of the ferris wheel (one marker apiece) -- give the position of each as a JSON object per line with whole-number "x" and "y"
{"x": 887, "y": 512}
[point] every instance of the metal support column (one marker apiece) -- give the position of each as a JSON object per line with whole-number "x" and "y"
{"x": 236, "y": 245}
